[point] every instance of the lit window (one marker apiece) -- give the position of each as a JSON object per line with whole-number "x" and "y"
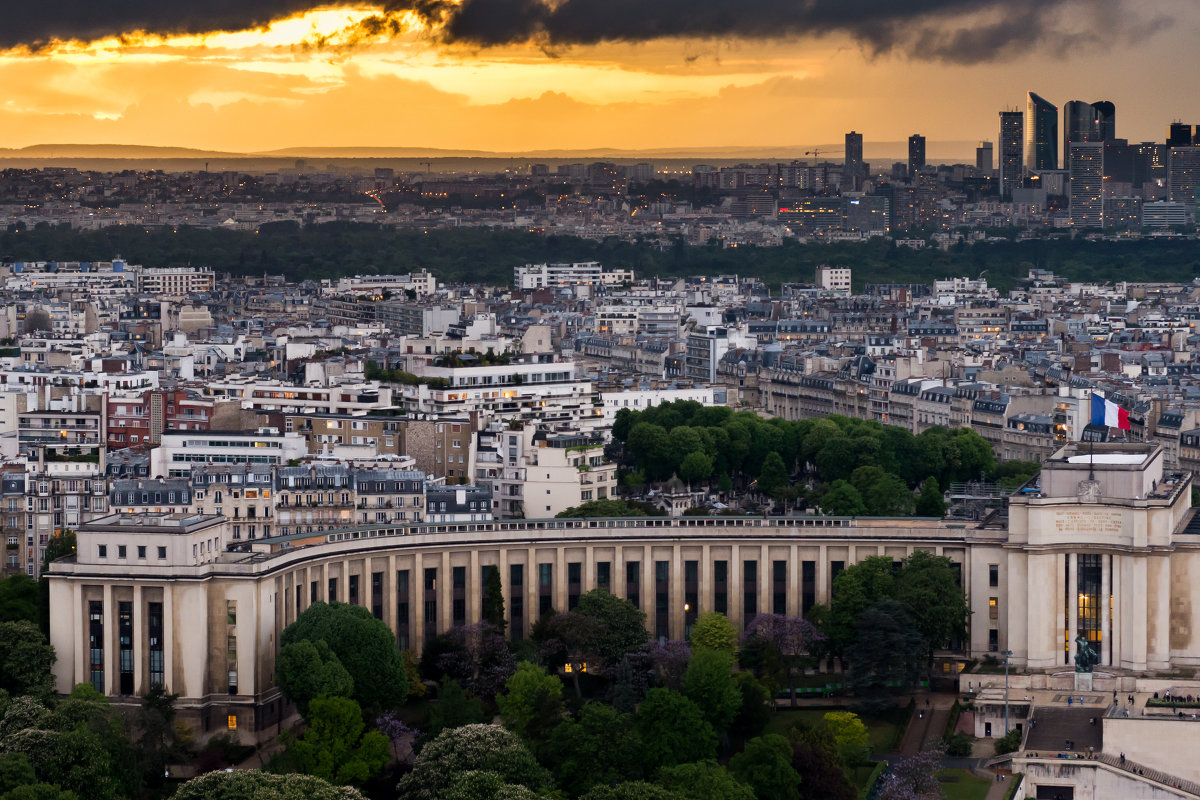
{"x": 231, "y": 722}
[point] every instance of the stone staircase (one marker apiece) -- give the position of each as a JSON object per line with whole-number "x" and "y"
{"x": 1055, "y": 725}
{"x": 1151, "y": 775}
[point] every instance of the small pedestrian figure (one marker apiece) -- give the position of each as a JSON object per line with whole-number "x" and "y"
{"x": 1122, "y": 759}
{"x": 1070, "y": 700}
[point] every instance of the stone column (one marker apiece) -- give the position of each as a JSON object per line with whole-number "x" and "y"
{"x": 823, "y": 587}
{"x": 1072, "y": 604}
{"x": 390, "y": 617}
{"x": 474, "y": 589}
{"x": 111, "y": 641}
{"x": 559, "y": 590}
{"x": 416, "y": 594}
{"x": 734, "y": 586}
{"x": 793, "y": 587}
{"x": 675, "y": 613}
{"x": 445, "y": 595}
{"x": 139, "y": 640}
{"x": 169, "y": 639}
{"x": 766, "y": 575}
{"x": 704, "y": 596}
{"x": 1105, "y": 619}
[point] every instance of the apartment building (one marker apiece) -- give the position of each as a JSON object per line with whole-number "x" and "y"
{"x": 175, "y": 282}
{"x": 180, "y": 451}
{"x": 140, "y": 418}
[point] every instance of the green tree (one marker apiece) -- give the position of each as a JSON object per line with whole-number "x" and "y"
{"x": 708, "y": 682}
{"x": 620, "y": 626}
{"x": 695, "y": 466}
{"x": 888, "y": 496}
{"x": 480, "y": 785}
{"x": 485, "y": 748}
{"x": 454, "y": 708}
{"x": 493, "y": 601}
{"x": 650, "y": 447}
{"x": 854, "y": 589}
{"x": 255, "y": 784}
{"x": 334, "y": 747}
{"x": 850, "y": 737}
{"x": 363, "y": 644}
{"x": 15, "y": 771}
{"x": 714, "y": 631}
{"x": 306, "y": 670}
{"x": 25, "y": 660}
{"x": 601, "y": 747}
{"x": 929, "y": 585}
{"x": 703, "y": 780}
{"x": 774, "y": 475}
{"x": 822, "y": 772}
{"x": 532, "y": 702}
{"x": 887, "y": 650}
{"x": 20, "y": 599}
{"x": 930, "y": 503}
{"x": 766, "y": 767}
{"x": 755, "y": 710}
{"x": 632, "y": 790}
{"x": 673, "y": 730}
{"x": 843, "y": 500}
{"x": 608, "y": 508}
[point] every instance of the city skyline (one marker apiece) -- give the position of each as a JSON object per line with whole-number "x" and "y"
{"x": 271, "y": 74}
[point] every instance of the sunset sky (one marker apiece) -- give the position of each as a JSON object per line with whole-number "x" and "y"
{"x": 522, "y": 75}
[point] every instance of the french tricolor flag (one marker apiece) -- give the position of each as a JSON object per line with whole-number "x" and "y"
{"x": 1107, "y": 413}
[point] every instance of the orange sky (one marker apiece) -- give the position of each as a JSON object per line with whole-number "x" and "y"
{"x": 273, "y": 88}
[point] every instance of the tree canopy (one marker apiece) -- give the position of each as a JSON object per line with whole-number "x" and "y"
{"x": 364, "y": 646}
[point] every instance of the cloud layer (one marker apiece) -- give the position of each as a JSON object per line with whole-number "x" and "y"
{"x": 960, "y": 31}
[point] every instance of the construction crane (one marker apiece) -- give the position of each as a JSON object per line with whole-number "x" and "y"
{"x": 815, "y": 152}
{"x": 427, "y": 164}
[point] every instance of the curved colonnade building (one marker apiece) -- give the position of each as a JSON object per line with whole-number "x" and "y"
{"x": 1102, "y": 546}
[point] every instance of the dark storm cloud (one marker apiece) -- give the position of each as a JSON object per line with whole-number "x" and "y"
{"x": 925, "y": 29}
{"x": 961, "y": 31}
{"x": 38, "y": 21}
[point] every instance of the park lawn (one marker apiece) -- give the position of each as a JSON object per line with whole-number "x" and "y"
{"x": 965, "y": 785}
{"x": 881, "y": 730}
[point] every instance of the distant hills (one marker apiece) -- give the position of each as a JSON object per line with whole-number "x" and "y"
{"x": 110, "y": 156}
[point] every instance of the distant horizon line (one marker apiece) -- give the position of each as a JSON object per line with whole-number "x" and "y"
{"x": 828, "y": 152}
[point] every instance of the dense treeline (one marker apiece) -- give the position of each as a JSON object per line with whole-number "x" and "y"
{"x": 843, "y": 465}
{"x": 485, "y": 255}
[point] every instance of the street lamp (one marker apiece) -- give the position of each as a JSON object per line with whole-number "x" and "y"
{"x": 1006, "y": 654}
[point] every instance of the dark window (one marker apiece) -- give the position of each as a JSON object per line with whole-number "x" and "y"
{"x": 808, "y": 586}
{"x": 749, "y": 592}
{"x": 154, "y": 639}
{"x": 459, "y": 590}
{"x": 835, "y": 569}
{"x": 141, "y": 551}
{"x": 377, "y": 594}
{"x": 121, "y": 551}
{"x": 299, "y": 600}
{"x": 721, "y": 587}
{"x": 993, "y": 574}
{"x": 312, "y": 592}
{"x": 430, "y": 603}
{"x": 633, "y": 582}
{"x": 332, "y": 597}
{"x": 993, "y": 640}
{"x": 574, "y": 576}
{"x": 353, "y": 579}
{"x": 662, "y": 590}
{"x": 779, "y": 587}
{"x": 96, "y": 643}
{"x": 125, "y": 646}
{"x": 162, "y": 552}
{"x": 402, "y": 612}
{"x": 691, "y": 595}
{"x": 545, "y": 588}
{"x": 604, "y": 575}
{"x": 516, "y": 600}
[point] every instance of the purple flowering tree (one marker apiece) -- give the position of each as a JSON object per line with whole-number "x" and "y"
{"x": 398, "y": 733}
{"x": 478, "y": 658}
{"x": 913, "y": 778}
{"x": 784, "y": 641}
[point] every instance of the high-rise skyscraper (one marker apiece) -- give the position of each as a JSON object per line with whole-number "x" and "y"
{"x": 916, "y": 154}
{"x": 1081, "y": 123}
{"x": 1183, "y": 175}
{"x": 1012, "y": 154}
{"x": 1087, "y": 184}
{"x": 1179, "y": 134}
{"x": 1106, "y": 118}
{"x": 983, "y": 157}
{"x": 1041, "y": 134}
{"x": 854, "y": 153}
